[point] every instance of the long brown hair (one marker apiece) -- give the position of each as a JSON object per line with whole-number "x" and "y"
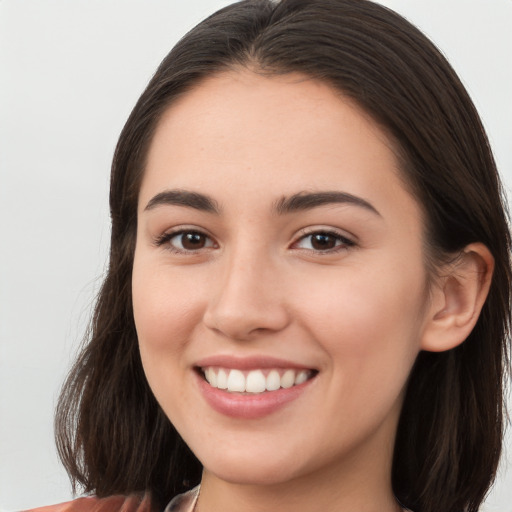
{"x": 112, "y": 435}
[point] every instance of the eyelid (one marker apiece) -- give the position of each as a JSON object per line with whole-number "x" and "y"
{"x": 348, "y": 241}
{"x": 164, "y": 239}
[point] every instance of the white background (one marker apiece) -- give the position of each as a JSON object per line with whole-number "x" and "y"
{"x": 70, "y": 71}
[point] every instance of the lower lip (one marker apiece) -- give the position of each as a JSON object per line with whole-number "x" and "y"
{"x": 249, "y": 406}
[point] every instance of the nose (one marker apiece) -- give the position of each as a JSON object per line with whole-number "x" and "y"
{"x": 248, "y": 300}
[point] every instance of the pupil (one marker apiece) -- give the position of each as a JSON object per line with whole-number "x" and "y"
{"x": 192, "y": 241}
{"x": 323, "y": 242}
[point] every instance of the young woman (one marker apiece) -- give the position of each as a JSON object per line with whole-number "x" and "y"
{"x": 308, "y": 293}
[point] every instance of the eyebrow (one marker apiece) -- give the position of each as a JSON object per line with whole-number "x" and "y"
{"x": 186, "y": 198}
{"x": 296, "y": 202}
{"x": 309, "y": 200}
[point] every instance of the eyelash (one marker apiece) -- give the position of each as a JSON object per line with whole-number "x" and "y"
{"x": 166, "y": 238}
{"x": 342, "y": 242}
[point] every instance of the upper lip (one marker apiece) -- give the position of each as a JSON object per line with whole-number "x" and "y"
{"x": 249, "y": 363}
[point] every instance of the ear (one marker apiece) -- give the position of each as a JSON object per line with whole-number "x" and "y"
{"x": 458, "y": 298}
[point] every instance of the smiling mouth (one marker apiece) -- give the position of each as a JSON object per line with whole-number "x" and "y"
{"x": 254, "y": 381}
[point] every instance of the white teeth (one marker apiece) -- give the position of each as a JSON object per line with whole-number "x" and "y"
{"x": 273, "y": 380}
{"x": 236, "y": 381}
{"x": 301, "y": 377}
{"x": 211, "y": 377}
{"x": 254, "y": 381}
{"x": 288, "y": 379}
{"x": 222, "y": 380}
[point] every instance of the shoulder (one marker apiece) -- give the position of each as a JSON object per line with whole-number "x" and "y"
{"x": 132, "y": 503}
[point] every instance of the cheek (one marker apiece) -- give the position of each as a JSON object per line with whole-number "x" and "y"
{"x": 161, "y": 299}
{"x": 166, "y": 310}
{"x": 371, "y": 318}
{"x": 370, "y": 331}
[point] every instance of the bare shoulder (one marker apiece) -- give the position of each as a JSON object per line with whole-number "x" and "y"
{"x": 132, "y": 503}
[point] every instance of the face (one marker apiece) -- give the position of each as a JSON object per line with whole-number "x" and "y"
{"x": 279, "y": 287}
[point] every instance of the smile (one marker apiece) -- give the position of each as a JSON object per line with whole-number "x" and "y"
{"x": 254, "y": 381}
{"x": 251, "y": 388}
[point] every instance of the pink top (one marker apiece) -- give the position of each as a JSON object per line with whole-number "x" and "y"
{"x": 134, "y": 503}
{"x": 185, "y": 502}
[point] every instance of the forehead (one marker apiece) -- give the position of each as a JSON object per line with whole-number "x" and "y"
{"x": 273, "y": 135}
{"x": 230, "y": 106}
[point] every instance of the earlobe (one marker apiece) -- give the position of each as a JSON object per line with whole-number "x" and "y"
{"x": 458, "y": 298}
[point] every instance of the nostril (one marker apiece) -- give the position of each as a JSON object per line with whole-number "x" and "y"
{"x": 245, "y": 323}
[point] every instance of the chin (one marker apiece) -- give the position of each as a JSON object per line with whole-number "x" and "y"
{"x": 257, "y": 477}
{"x": 244, "y": 470}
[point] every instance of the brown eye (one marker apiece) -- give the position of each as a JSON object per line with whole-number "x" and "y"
{"x": 192, "y": 241}
{"x": 186, "y": 241}
{"x": 324, "y": 241}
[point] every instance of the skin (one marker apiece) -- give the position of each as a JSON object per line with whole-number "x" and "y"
{"x": 358, "y": 313}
